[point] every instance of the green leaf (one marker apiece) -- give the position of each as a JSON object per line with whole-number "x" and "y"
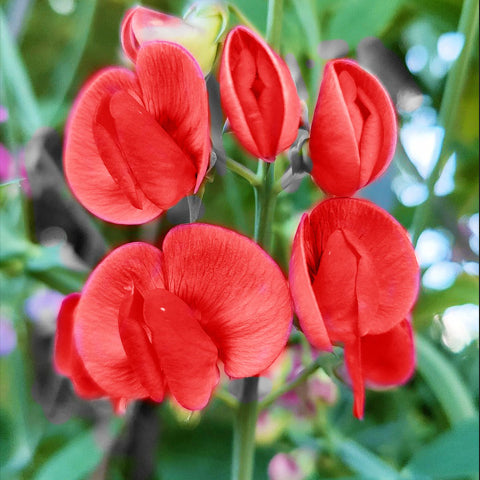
{"x": 451, "y": 455}
{"x": 15, "y": 80}
{"x": 363, "y": 461}
{"x": 74, "y": 461}
{"x": 357, "y": 19}
{"x": 67, "y": 65}
{"x": 445, "y": 382}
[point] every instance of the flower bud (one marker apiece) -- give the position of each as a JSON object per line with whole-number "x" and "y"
{"x": 199, "y": 32}
{"x": 354, "y": 129}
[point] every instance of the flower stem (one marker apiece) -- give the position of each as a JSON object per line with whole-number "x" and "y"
{"x": 454, "y": 86}
{"x": 244, "y": 431}
{"x": 240, "y": 15}
{"x": 243, "y": 172}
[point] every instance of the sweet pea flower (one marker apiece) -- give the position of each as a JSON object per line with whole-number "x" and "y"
{"x": 152, "y": 322}
{"x": 136, "y": 143}
{"x": 199, "y": 32}
{"x": 258, "y": 95}
{"x": 354, "y": 279}
{"x": 354, "y": 129}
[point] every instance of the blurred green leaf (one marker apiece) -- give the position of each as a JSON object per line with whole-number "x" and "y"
{"x": 67, "y": 65}
{"x": 23, "y": 106}
{"x": 363, "y": 461}
{"x": 451, "y": 455}
{"x": 74, "y": 461}
{"x": 445, "y": 382}
{"x": 357, "y": 19}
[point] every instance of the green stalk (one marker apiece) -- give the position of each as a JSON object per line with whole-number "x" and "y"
{"x": 447, "y": 117}
{"x": 247, "y": 411}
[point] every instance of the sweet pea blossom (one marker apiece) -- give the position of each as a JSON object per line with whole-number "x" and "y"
{"x": 199, "y": 31}
{"x": 153, "y": 322}
{"x": 258, "y": 95}
{"x": 136, "y": 143}
{"x": 354, "y": 280}
{"x": 354, "y": 129}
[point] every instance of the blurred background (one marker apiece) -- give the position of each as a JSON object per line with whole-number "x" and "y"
{"x": 427, "y": 429}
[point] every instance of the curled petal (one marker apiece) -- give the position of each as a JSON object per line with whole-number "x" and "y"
{"x": 187, "y": 354}
{"x": 137, "y": 345}
{"x": 300, "y": 279}
{"x": 354, "y": 129}
{"x": 237, "y": 291}
{"x": 258, "y": 95}
{"x": 66, "y": 357}
{"x": 135, "y": 265}
{"x": 103, "y": 191}
{"x": 175, "y": 94}
{"x": 388, "y": 359}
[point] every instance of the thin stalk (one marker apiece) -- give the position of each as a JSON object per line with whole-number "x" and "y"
{"x": 447, "y": 116}
{"x": 243, "y": 172}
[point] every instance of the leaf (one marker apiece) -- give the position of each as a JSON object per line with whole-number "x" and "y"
{"x": 357, "y": 19}
{"x": 74, "y": 461}
{"x": 363, "y": 461}
{"x": 16, "y": 82}
{"x": 451, "y": 455}
{"x": 445, "y": 382}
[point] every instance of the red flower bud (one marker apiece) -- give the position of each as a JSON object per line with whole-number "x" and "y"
{"x": 354, "y": 129}
{"x": 150, "y": 322}
{"x": 138, "y": 143}
{"x": 258, "y": 95}
{"x": 354, "y": 280}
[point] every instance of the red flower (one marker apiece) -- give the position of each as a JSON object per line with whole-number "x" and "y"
{"x": 258, "y": 95}
{"x": 138, "y": 143}
{"x": 150, "y": 322}
{"x": 354, "y": 129}
{"x": 354, "y": 280}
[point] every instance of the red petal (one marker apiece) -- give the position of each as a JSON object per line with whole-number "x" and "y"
{"x": 163, "y": 172}
{"x": 236, "y": 289}
{"x": 389, "y": 255}
{"x": 388, "y": 359}
{"x": 354, "y": 366}
{"x": 175, "y": 93}
{"x": 138, "y": 348}
{"x": 85, "y": 170}
{"x": 67, "y": 360}
{"x": 334, "y": 288}
{"x": 306, "y": 305}
{"x": 130, "y": 44}
{"x": 354, "y": 130}
{"x": 187, "y": 354}
{"x": 333, "y": 146}
{"x": 258, "y": 95}
{"x": 96, "y": 326}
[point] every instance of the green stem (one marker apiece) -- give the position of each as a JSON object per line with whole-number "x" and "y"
{"x": 247, "y": 411}
{"x": 244, "y": 431}
{"x": 264, "y": 205}
{"x": 306, "y": 372}
{"x": 243, "y": 172}
{"x": 447, "y": 116}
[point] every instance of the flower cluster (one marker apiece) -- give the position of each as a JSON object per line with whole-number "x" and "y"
{"x": 138, "y": 141}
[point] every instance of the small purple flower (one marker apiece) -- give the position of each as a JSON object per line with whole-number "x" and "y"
{"x": 8, "y": 337}
{"x": 3, "y": 114}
